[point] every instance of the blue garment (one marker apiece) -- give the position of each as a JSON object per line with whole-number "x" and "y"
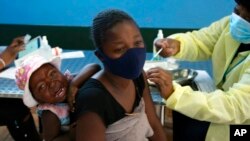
{"x": 61, "y": 110}
{"x": 240, "y": 29}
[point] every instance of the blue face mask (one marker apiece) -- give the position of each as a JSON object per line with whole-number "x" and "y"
{"x": 240, "y": 29}
{"x": 128, "y": 66}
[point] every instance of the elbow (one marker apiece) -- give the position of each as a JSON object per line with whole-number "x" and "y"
{"x": 94, "y": 66}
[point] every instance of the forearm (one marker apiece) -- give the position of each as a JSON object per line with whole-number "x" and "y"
{"x": 85, "y": 74}
{"x": 62, "y": 137}
{"x": 11, "y": 51}
{"x": 3, "y": 59}
{"x": 65, "y": 134}
{"x": 199, "y": 44}
{"x": 191, "y": 48}
{"x": 2, "y": 64}
{"x": 219, "y": 106}
{"x": 49, "y": 135}
{"x": 50, "y": 132}
{"x": 7, "y": 58}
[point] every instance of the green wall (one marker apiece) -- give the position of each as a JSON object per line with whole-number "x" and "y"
{"x": 70, "y": 37}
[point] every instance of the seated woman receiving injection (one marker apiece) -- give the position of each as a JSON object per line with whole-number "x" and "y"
{"x": 44, "y": 85}
{"x": 115, "y": 104}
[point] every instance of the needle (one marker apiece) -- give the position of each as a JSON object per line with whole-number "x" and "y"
{"x": 159, "y": 51}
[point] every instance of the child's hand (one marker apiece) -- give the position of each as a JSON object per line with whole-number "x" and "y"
{"x": 72, "y": 91}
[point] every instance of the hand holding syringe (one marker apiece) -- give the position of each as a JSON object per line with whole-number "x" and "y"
{"x": 167, "y": 47}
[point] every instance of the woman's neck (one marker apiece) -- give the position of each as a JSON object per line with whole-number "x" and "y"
{"x": 116, "y": 81}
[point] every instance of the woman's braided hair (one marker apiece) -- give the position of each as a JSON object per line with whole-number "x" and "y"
{"x": 104, "y": 21}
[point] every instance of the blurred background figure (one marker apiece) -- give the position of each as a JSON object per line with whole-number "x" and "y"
{"x": 13, "y": 113}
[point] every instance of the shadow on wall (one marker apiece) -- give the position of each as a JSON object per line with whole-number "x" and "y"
{"x": 70, "y": 37}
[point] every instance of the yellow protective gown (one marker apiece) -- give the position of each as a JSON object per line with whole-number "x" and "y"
{"x": 230, "y": 103}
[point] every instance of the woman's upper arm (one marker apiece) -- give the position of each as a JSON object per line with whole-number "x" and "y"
{"x": 90, "y": 105}
{"x": 149, "y": 105}
{"x": 90, "y": 127}
{"x": 154, "y": 121}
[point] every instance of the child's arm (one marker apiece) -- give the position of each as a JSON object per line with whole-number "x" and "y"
{"x": 85, "y": 74}
{"x": 79, "y": 80}
{"x": 51, "y": 125}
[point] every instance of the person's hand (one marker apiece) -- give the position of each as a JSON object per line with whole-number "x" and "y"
{"x": 72, "y": 91}
{"x": 10, "y": 53}
{"x": 170, "y": 46}
{"x": 162, "y": 79}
